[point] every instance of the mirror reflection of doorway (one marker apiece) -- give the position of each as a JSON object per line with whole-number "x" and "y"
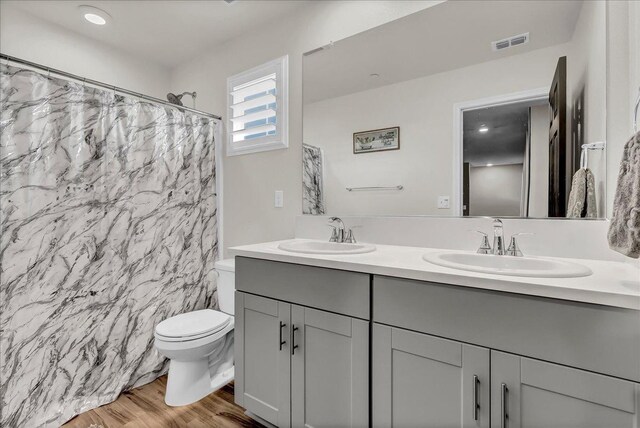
{"x": 506, "y": 160}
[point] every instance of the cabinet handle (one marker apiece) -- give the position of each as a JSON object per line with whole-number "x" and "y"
{"x": 503, "y": 405}
{"x": 476, "y": 405}
{"x": 293, "y": 339}
{"x": 282, "y": 342}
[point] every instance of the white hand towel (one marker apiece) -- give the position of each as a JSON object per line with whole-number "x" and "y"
{"x": 582, "y": 199}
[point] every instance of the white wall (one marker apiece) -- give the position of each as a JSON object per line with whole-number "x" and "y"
{"x": 623, "y": 52}
{"x": 495, "y": 190}
{"x": 250, "y": 180}
{"x": 634, "y": 51}
{"x": 539, "y": 162}
{"x": 27, "y": 37}
{"x": 587, "y": 68}
{"x": 423, "y": 108}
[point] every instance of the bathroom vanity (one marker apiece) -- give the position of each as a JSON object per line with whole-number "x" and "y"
{"x": 386, "y": 339}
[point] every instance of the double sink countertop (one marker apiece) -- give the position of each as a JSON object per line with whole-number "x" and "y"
{"x": 611, "y": 283}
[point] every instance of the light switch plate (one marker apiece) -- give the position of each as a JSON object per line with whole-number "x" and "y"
{"x": 278, "y": 200}
{"x": 443, "y": 202}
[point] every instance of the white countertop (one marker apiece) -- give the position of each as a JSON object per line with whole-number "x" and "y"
{"x": 612, "y": 283}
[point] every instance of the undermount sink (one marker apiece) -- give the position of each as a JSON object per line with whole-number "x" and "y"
{"x": 319, "y": 247}
{"x": 508, "y": 265}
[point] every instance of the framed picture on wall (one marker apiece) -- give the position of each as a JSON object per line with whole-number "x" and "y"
{"x": 376, "y": 140}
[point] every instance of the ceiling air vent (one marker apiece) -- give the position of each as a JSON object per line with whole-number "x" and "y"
{"x": 502, "y": 44}
{"x": 520, "y": 39}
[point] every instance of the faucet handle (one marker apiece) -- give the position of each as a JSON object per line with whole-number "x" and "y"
{"x": 334, "y": 233}
{"x": 349, "y": 238}
{"x": 485, "y": 247}
{"x": 514, "y": 249}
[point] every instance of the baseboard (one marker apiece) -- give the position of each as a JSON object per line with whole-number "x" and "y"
{"x": 259, "y": 420}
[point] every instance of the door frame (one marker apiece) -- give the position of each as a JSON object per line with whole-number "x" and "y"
{"x": 537, "y": 94}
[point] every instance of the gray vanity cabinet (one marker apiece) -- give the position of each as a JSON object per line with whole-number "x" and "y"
{"x": 441, "y": 355}
{"x": 301, "y": 367}
{"x": 532, "y": 393}
{"x": 297, "y": 365}
{"x": 262, "y": 364}
{"x": 329, "y": 370}
{"x": 425, "y": 381}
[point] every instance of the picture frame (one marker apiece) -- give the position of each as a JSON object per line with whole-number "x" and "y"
{"x": 376, "y": 140}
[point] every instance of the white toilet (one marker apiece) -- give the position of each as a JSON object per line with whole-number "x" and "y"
{"x": 200, "y": 345}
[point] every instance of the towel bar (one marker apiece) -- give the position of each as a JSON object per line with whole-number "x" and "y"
{"x": 599, "y": 145}
{"x": 351, "y": 189}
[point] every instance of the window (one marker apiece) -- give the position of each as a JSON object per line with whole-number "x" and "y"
{"x": 258, "y": 108}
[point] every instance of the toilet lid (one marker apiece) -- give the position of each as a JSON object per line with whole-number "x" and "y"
{"x": 196, "y": 323}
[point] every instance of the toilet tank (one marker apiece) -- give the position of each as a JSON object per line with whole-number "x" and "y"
{"x": 226, "y": 270}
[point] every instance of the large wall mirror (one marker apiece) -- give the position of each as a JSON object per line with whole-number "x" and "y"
{"x": 466, "y": 108}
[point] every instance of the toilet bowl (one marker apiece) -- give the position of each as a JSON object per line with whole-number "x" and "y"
{"x": 199, "y": 345}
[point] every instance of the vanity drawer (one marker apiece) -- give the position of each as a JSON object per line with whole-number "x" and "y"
{"x": 332, "y": 290}
{"x": 598, "y": 338}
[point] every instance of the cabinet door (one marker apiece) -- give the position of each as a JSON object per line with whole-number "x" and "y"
{"x": 262, "y": 373}
{"x": 528, "y": 393}
{"x": 329, "y": 369}
{"x": 425, "y": 381}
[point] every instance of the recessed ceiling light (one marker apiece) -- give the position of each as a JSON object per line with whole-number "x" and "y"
{"x": 94, "y": 15}
{"x": 374, "y": 75}
{"x": 95, "y": 19}
{"x": 483, "y": 129}
{"x": 489, "y": 164}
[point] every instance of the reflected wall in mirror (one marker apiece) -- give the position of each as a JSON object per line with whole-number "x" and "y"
{"x": 494, "y": 111}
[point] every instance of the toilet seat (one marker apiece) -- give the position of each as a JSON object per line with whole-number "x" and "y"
{"x": 191, "y": 325}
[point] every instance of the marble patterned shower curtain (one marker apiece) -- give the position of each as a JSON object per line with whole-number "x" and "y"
{"x": 312, "y": 180}
{"x": 108, "y": 215}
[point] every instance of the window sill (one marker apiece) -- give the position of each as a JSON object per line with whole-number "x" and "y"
{"x": 237, "y": 151}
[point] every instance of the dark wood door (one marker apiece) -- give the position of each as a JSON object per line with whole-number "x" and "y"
{"x": 577, "y": 130}
{"x": 465, "y": 188}
{"x": 558, "y": 141}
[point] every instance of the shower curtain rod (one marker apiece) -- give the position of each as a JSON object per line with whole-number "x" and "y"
{"x": 104, "y": 85}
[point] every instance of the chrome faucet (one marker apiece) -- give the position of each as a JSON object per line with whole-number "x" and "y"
{"x": 340, "y": 233}
{"x": 498, "y": 237}
{"x": 498, "y": 242}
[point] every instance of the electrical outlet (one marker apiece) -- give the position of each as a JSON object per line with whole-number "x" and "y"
{"x": 278, "y": 200}
{"x": 443, "y": 202}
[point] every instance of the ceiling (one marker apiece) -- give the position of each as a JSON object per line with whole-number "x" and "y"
{"x": 165, "y": 32}
{"x": 505, "y": 141}
{"x": 448, "y": 36}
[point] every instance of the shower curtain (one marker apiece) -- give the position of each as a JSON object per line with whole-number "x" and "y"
{"x": 108, "y": 215}
{"x": 312, "y": 180}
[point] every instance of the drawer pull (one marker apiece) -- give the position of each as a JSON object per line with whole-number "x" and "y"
{"x": 504, "y": 416}
{"x": 476, "y": 405}
{"x": 293, "y": 339}
{"x": 282, "y": 342}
